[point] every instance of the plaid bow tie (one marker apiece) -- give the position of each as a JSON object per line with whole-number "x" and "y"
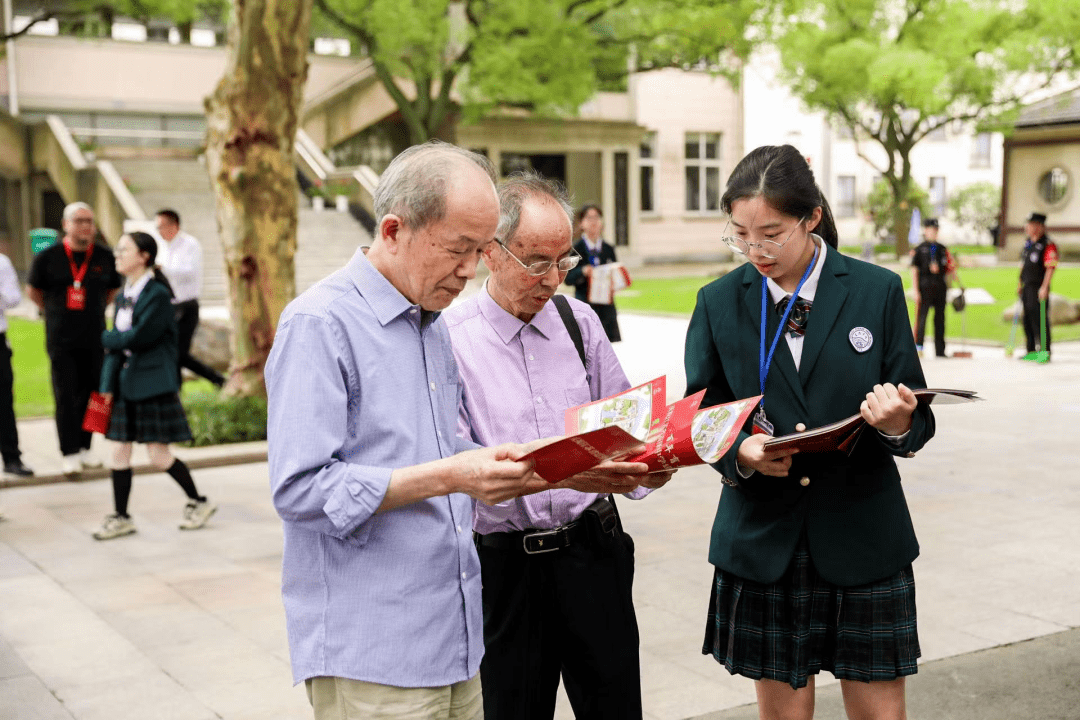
{"x": 122, "y": 301}
{"x": 800, "y": 313}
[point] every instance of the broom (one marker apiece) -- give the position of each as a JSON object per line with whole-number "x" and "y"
{"x": 1043, "y": 356}
{"x": 1011, "y": 345}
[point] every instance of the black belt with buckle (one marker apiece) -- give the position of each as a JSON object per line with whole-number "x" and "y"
{"x": 536, "y": 542}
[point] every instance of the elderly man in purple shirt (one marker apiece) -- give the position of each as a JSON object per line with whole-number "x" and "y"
{"x": 557, "y": 566}
{"x": 380, "y": 579}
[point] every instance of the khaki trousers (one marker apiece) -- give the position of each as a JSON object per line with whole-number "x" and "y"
{"x": 342, "y": 699}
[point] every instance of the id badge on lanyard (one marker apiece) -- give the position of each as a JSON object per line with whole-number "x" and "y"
{"x": 76, "y": 293}
{"x": 762, "y": 426}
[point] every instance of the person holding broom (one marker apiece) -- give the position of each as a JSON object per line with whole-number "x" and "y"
{"x": 1038, "y": 261}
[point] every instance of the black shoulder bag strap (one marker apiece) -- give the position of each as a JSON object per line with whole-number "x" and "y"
{"x": 567, "y": 315}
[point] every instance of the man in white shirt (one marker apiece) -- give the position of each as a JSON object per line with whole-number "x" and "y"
{"x": 10, "y": 295}
{"x": 180, "y": 258}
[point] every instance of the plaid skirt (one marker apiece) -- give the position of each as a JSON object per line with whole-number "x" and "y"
{"x": 803, "y": 624}
{"x": 160, "y": 419}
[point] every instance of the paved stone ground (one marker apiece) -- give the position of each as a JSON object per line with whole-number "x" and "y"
{"x": 166, "y": 624}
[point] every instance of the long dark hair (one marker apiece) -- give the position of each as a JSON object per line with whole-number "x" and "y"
{"x": 145, "y": 243}
{"x": 781, "y": 175}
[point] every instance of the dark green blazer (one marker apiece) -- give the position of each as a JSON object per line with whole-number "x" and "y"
{"x": 853, "y": 508}
{"x": 152, "y": 368}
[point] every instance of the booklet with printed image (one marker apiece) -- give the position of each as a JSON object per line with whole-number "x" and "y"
{"x": 674, "y": 435}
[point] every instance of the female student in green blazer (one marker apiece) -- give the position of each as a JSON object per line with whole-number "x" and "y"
{"x": 140, "y": 373}
{"x": 812, "y": 552}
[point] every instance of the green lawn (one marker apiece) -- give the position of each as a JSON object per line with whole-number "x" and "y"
{"x": 33, "y": 386}
{"x": 677, "y": 295}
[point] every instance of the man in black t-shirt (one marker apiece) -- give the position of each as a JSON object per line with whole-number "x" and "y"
{"x": 73, "y": 281}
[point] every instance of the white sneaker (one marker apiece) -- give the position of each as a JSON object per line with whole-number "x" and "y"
{"x": 114, "y": 526}
{"x": 70, "y": 465}
{"x": 196, "y": 513}
{"x": 89, "y": 462}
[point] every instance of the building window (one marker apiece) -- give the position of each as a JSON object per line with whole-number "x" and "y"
{"x": 647, "y": 165}
{"x": 703, "y": 172}
{"x": 980, "y": 151}
{"x": 937, "y": 195}
{"x": 845, "y": 205}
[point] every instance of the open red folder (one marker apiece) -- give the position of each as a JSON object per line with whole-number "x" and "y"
{"x": 843, "y": 434}
{"x": 674, "y": 436}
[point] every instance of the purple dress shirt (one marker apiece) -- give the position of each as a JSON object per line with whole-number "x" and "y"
{"x": 518, "y": 381}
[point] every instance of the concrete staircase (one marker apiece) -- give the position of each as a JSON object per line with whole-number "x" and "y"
{"x": 326, "y": 240}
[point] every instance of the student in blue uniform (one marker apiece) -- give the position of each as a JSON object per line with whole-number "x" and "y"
{"x": 812, "y": 552}
{"x": 140, "y": 373}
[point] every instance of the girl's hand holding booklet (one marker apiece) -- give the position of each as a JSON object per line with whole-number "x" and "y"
{"x": 675, "y": 435}
{"x": 843, "y": 434}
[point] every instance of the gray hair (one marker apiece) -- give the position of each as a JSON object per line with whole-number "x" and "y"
{"x": 70, "y": 210}
{"x": 522, "y": 186}
{"x": 415, "y": 185}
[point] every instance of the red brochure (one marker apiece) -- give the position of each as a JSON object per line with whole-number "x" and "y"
{"x": 675, "y": 436}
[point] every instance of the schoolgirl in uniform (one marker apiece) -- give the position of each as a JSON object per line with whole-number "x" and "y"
{"x": 140, "y": 373}
{"x": 812, "y": 552}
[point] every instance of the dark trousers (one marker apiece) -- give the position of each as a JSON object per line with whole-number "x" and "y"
{"x": 571, "y": 612}
{"x": 187, "y": 319}
{"x": 931, "y": 297}
{"x": 76, "y": 373}
{"x": 9, "y": 431}
{"x": 1029, "y": 296}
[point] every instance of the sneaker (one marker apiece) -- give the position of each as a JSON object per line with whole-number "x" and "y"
{"x": 114, "y": 526}
{"x": 88, "y": 462}
{"x": 18, "y": 469}
{"x": 70, "y": 465}
{"x": 1031, "y": 356}
{"x": 196, "y": 513}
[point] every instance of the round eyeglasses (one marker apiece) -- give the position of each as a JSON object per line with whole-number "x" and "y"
{"x": 769, "y": 248}
{"x": 543, "y": 267}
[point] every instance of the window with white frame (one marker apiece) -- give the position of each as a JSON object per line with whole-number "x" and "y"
{"x": 845, "y": 201}
{"x": 703, "y": 172}
{"x": 647, "y": 165}
{"x": 938, "y": 197}
{"x": 980, "y": 150}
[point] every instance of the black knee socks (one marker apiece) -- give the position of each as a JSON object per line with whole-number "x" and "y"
{"x": 121, "y": 487}
{"x": 180, "y": 473}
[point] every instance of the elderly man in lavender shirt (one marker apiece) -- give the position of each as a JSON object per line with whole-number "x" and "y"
{"x": 557, "y": 566}
{"x": 380, "y": 578}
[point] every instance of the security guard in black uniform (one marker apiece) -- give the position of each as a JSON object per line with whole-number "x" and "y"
{"x": 1039, "y": 259}
{"x": 932, "y": 271}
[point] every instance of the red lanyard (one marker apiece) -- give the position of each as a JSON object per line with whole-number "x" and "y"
{"x": 77, "y": 274}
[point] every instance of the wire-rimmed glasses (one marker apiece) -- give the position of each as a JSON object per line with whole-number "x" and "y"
{"x": 543, "y": 267}
{"x": 769, "y": 248}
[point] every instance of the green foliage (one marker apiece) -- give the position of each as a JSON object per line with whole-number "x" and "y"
{"x": 894, "y": 71}
{"x": 977, "y": 205}
{"x": 545, "y": 56}
{"x": 30, "y": 365}
{"x": 215, "y": 420}
{"x": 885, "y": 212}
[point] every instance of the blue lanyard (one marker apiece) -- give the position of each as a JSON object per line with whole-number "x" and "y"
{"x": 765, "y": 362}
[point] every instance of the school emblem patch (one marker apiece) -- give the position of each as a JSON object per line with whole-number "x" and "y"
{"x": 860, "y": 339}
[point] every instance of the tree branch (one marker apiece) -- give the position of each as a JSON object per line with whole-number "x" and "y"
{"x": 361, "y": 34}
{"x": 43, "y": 16}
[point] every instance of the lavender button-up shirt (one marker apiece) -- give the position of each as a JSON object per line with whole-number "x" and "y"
{"x": 361, "y": 382}
{"x": 519, "y": 379}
